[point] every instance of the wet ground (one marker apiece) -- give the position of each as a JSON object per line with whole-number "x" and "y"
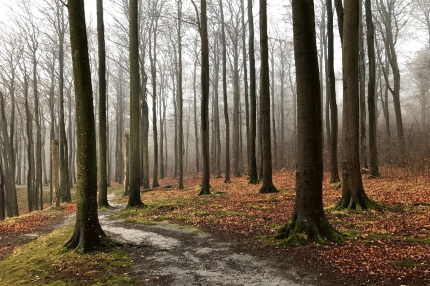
{"x": 168, "y": 254}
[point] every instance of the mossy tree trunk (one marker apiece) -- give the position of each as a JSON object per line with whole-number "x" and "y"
{"x": 88, "y": 233}
{"x": 353, "y": 195}
{"x": 268, "y": 186}
{"x": 103, "y": 200}
{"x": 308, "y": 222}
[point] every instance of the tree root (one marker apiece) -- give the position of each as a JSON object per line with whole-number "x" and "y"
{"x": 82, "y": 243}
{"x": 300, "y": 233}
{"x": 358, "y": 202}
{"x": 268, "y": 189}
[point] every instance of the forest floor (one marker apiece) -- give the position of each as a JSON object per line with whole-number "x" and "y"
{"x": 235, "y": 227}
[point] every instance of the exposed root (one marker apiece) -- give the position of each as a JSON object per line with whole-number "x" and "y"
{"x": 298, "y": 233}
{"x": 358, "y": 202}
{"x": 82, "y": 243}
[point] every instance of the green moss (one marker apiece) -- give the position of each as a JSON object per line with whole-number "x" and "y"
{"x": 336, "y": 186}
{"x": 406, "y": 263}
{"x": 47, "y": 263}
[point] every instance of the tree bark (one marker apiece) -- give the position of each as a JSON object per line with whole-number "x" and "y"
{"x": 126, "y": 154}
{"x": 224, "y": 89}
{"x": 268, "y": 186}
{"x": 88, "y": 233}
{"x": 205, "y": 100}
{"x": 55, "y": 179}
{"x": 371, "y": 100}
{"x": 180, "y": 102}
{"x": 253, "y": 175}
{"x": 134, "y": 158}
{"x": 103, "y": 200}
{"x": 353, "y": 195}
{"x": 334, "y": 172}
{"x": 308, "y": 216}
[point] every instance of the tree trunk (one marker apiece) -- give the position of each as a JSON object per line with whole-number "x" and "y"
{"x": 88, "y": 233}
{"x": 371, "y": 100}
{"x": 224, "y": 90}
{"x": 308, "y": 216}
{"x": 103, "y": 200}
{"x": 268, "y": 186}
{"x": 134, "y": 158}
{"x": 126, "y": 154}
{"x": 55, "y": 179}
{"x": 275, "y": 141}
{"x": 253, "y": 176}
{"x": 180, "y": 102}
{"x": 10, "y": 195}
{"x": 362, "y": 88}
{"x": 353, "y": 195}
{"x": 334, "y": 172}
{"x": 30, "y": 152}
{"x": 2, "y": 183}
{"x": 205, "y": 100}
{"x": 245, "y": 80}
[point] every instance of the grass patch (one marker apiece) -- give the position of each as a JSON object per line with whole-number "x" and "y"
{"x": 47, "y": 263}
{"x": 406, "y": 263}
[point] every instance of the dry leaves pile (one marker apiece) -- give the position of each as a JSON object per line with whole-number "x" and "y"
{"x": 386, "y": 247}
{"x": 29, "y": 222}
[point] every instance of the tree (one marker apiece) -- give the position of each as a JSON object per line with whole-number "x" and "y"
{"x": 224, "y": 90}
{"x": 371, "y": 89}
{"x": 134, "y": 158}
{"x": 103, "y": 200}
{"x": 253, "y": 176}
{"x": 180, "y": 101}
{"x": 308, "y": 216}
{"x": 353, "y": 195}
{"x": 268, "y": 186}
{"x": 389, "y": 17}
{"x": 332, "y": 96}
{"x": 205, "y": 99}
{"x": 88, "y": 233}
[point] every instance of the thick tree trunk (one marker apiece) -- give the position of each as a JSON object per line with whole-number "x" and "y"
{"x": 353, "y": 195}
{"x": 236, "y": 103}
{"x": 268, "y": 186}
{"x": 308, "y": 216}
{"x": 205, "y": 100}
{"x": 134, "y": 158}
{"x": 88, "y": 233}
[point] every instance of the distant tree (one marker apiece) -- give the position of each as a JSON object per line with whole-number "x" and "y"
{"x": 224, "y": 90}
{"x": 353, "y": 194}
{"x": 268, "y": 186}
{"x": 371, "y": 90}
{"x": 88, "y": 233}
{"x": 308, "y": 216}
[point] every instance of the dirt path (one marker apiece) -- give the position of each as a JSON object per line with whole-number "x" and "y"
{"x": 169, "y": 254}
